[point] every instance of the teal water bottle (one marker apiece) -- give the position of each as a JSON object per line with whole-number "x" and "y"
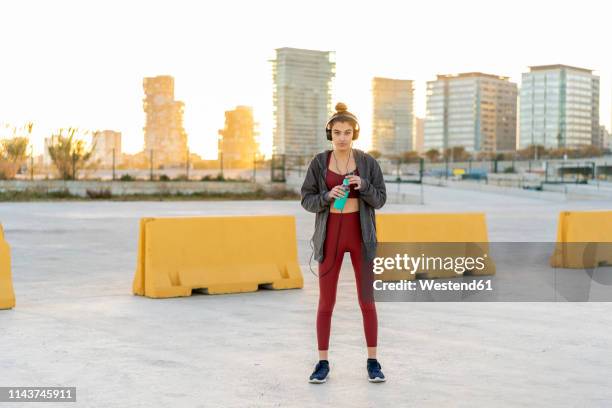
{"x": 340, "y": 202}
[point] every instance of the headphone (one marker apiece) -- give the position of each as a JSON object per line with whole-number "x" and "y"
{"x": 340, "y": 116}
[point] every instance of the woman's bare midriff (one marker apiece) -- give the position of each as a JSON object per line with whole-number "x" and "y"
{"x": 351, "y": 205}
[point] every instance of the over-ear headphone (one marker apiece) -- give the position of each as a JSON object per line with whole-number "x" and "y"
{"x": 342, "y": 114}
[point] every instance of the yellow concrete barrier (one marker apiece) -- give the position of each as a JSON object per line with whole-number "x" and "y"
{"x": 218, "y": 254}
{"x": 7, "y": 296}
{"x": 435, "y": 235}
{"x": 584, "y": 240}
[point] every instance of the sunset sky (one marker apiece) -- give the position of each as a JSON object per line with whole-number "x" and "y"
{"x": 81, "y": 63}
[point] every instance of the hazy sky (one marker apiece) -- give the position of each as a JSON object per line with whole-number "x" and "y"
{"x": 81, "y": 63}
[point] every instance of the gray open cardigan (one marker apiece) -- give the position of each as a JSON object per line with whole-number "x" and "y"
{"x": 372, "y": 195}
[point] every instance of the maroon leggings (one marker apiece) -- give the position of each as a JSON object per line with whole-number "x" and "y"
{"x": 329, "y": 271}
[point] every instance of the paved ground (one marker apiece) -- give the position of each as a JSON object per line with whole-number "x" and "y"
{"x": 77, "y": 324}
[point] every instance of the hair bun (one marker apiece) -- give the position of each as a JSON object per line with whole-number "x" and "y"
{"x": 341, "y": 107}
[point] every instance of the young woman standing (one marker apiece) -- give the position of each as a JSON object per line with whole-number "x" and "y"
{"x": 349, "y": 229}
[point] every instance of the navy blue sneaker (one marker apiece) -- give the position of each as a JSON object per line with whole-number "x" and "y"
{"x": 320, "y": 373}
{"x": 374, "y": 372}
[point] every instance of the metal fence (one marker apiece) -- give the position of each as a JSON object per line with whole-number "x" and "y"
{"x": 284, "y": 168}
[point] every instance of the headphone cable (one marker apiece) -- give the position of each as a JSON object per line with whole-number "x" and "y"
{"x": 335, "y": 251}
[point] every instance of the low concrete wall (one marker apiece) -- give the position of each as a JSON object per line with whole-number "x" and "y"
{"x": 488, "y": 188}
{"x": 581, "y": 191}
{"x": 553, "y": 192}
{"x": 515, "y": 180}
{"x": 80, "y": 187}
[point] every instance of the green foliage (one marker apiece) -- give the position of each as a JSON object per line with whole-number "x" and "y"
{"x": 14, "y": 150}
{"x": 68, "y": 153}
{"x": 12, "y": 155}
{"x": 99, "y": 194}
{"x": 218, "y": 177}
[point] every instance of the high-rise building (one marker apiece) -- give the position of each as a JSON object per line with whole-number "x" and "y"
{"x": 105, "y": 144}
{"x": 237, "y": 141}
{"x": 163, "y": 132}
{"x": 473, "y": 110}
{"x": 303, "y": 81}
{"x": 559, "y": 107}
{"x": 392, "y": 119}
{"x": 605, "y": 139}
{"x": 419, "y": 134}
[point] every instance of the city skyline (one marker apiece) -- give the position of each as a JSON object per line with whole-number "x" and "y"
{"x": 93, "y": 79}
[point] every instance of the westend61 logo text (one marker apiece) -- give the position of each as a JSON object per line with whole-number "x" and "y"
{"x": 424, "y": 263}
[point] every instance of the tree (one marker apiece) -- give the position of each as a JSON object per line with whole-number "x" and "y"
{"x": 590, "y": 151}
{"x": 13, "y": 153}
{"x": 432, "y": 155}
{"x": 410, "y": 156}
{"x": 483, "y": 155}
{"x": 15, "y": 149}
{"x": 68, "y": 153}
{"x": 532, "y": 152}
{"x": 457, "y": 154}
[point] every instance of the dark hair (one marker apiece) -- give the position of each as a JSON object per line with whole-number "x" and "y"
{"x": 343, "y": 115}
